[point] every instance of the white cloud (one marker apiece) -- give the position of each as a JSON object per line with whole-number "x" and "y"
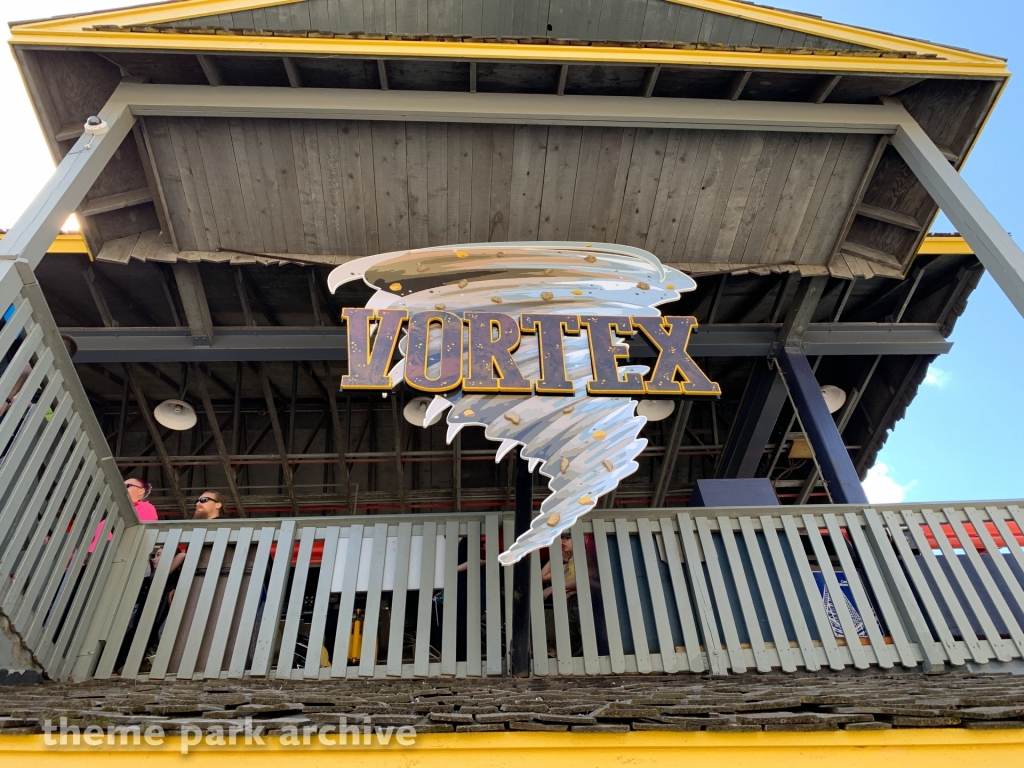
{"x": 883, "y": 489}
{"x": 936, "y": 377}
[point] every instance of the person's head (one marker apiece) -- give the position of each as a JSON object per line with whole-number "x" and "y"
{"x": 209, "y": 506}
{"x": 138, "y": 490}
{"x": 566, "y": 549}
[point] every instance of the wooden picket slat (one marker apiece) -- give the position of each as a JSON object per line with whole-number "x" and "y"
{"x": 839, "y": 604}
{"x": 399, "y": 595}
{"x": 156, "y": 595}
{"x": 449, "y": 613}
{"x": 693, "y": 660}
{"x": 346, "y": 604}
{"x": 766, "y": 590}
{"x": 189, "y": 656}
{"x": 945, "y": 589}
{"x": 995, "y": 557}
{"x": 272, "y": 605}
{"x": 591, "y": 662}
{"x": 318, "y": 625}
{"x": 923, "y": 590}
{"x": 138, "y": 561}
{"x": 860, "y": 595}
{"x": 717, "y": 661}
{"x": 473, "y": 660}
{"x": 250, "y": 609}
{"x": 219, "y": 644}
{"x": 559, "y": 605}
{"x": 811, "y": 593}
{"x": 725, "y": 616}
{"x": 177, "y": 611}
{"x": 421, "y": 658}
{"x": 368, "y": 652}
{"x": 286, "y": 651}
{"x": 492, "y": 607}
{"x": 666, "y": 645}
{"x": 611, "y": 612}
{"x": 739, "y": 578}
{"x": 880, "y": 588}
{"x": 538, "y": 630}
{"x": 988, "y": 626}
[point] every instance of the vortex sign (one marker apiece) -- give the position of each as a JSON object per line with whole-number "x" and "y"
{"x": 528, "y": 340}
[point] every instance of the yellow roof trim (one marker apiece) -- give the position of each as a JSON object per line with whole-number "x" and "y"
{"x": 72, "y": 31}
{"x": 70, "y": 242}
{"x": 944, "y": 245}
{"x": 298, "y": 46}
{"x": 831, "y": 29}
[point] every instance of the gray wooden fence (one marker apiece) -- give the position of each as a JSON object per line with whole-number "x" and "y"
{"x": 58, "y": 482}
{"x": 720, "y": 591}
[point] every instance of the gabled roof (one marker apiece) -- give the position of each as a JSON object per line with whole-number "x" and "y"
{"x": 747, "y": 35}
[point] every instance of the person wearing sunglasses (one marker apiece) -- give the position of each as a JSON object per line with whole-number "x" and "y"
{"x": 138, "y": 492}
{"x": 209, "y": 506}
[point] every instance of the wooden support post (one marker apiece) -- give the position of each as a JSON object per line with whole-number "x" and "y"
{"x": 520, "y": 622}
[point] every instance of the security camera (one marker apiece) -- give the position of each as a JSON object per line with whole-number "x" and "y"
{"x": 94, "y": 126}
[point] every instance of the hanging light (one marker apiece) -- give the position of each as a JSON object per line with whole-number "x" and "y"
{"x": 175, "y": 414}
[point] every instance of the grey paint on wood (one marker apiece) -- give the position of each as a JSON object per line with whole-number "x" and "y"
{"x": 579, "y": 19}
{"x": 357, "y": 188}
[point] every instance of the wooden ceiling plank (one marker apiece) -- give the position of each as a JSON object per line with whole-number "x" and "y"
{"x": 610, "y": 183}
{"x": 807, "y": 202}
{"x": 389, "y": 173}
{"x": 739, "y": 197}
{"x": 331, "y": 172}
{"x": 501, "y": 183}
{"x": 758, "y": 183}
{"x": 782, "y": 164}
{"x": 415, "y": 174}
{"x": 243, "y": 138}
{"x": 733, "y": 147}
{"x": 482, "y": 150}
{"x": 559, "y": 180}
{"x": 437, "y": 182}
{"x": 312, "y": 196}
{"x": 854, "y": 157}
{"x": 858, "y": 197}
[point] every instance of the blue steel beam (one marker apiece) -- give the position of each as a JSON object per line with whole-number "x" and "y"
{"x": 836, "y": 466}
{"x": 754, "y": 423}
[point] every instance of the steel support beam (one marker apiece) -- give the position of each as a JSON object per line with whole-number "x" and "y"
{"x": 39, "y": 225}
{"x": 995, "y": 249}
{"x": 289, "y": 343}
{"x": 830, "y": 453}
{"x": 754, "y": 423}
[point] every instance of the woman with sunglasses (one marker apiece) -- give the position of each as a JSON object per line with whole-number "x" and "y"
{"x": 138, "y": 492}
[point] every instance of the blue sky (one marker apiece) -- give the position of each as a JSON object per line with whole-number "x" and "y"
{"x": 962, "y": 437}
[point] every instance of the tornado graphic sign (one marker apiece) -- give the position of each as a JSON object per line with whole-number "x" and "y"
{"x": 528, "y": 341}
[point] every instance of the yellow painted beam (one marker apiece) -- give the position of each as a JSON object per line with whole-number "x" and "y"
{"x": 911, "y": 748}
{"x": 70, "y": 242}
{"x": 76, "y": 30}
{"x": 933, "y": 245}
{"x": 594, "y": 54}
{"x": 943, "y": 245}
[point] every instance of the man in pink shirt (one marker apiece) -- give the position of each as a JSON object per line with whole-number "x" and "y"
{"x": 138, "y": 492}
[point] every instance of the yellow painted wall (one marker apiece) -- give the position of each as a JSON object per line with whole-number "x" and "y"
{"x": 924, "y": 748}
